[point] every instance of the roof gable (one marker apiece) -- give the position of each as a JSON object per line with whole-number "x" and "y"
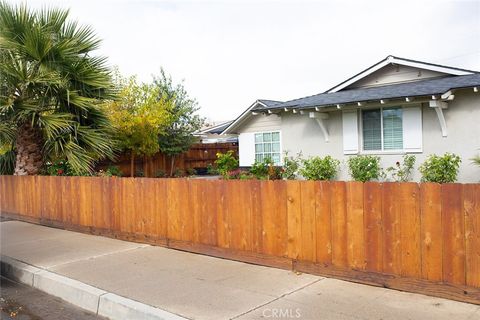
{"x": 393, "y": 70}
{"x": 258, "y": 104}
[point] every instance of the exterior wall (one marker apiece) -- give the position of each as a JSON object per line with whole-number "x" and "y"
{"x": 246, "y": 139}
{"x": 261, "y": 123}
{"x": 391, "y": 74}
{"x": 302, "y": 134}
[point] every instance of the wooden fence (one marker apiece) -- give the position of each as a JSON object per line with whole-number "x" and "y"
{"x": 199, "y": 156}
{"x": 414, "y": 237}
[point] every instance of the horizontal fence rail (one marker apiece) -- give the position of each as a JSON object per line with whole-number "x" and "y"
{"x": 414, "y": 237}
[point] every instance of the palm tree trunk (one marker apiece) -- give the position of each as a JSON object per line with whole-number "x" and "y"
{"x": 28, "y": 145}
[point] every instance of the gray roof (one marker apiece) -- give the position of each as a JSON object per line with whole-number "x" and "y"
{"x": 218, "y": 129}
{"x": 270, "y": 103}
{"x": 410, "y": 89}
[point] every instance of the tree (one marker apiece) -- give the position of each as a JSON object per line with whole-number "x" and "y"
{"x": 177, "y": 137}
{"x": 51, "y": 90}
{"x": 139, "y": 116}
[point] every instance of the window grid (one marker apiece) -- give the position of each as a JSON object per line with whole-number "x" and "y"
{"x": 267, "y": 145}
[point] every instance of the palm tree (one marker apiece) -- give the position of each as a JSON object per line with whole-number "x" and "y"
{"x": 51, "y": 90}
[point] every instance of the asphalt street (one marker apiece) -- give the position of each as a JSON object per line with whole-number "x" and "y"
{"x": 20, "y": 302}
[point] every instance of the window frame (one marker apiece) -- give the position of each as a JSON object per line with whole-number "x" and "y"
{"x": 381, "y": 151}
{"x": 263, "y": 152}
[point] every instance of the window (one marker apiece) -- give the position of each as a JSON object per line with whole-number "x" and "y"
{"x": 267, "y": 145}
{"x": 382, "y": 129}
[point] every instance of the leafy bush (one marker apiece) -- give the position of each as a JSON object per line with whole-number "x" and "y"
{"x": 260, "y": 168}
{"x": 191, "y": 172}
{"x": 226, "y": 162}
{"x": 266, "y": 170}
{"x": 140, "y": 173}
{"x": 402, "y": 172}
{"x": 112, "y": 171}
{"x": 211, "y": 170}
{"x": 160, "y": 174}
{"x": 58, "y": 168}
{"x": 291, "y": 165}
{"x": 317, "y": 168}
{"x": 178, "y": 173}
{"x": 440, "y": 169}
{"x": 364, "y": 168}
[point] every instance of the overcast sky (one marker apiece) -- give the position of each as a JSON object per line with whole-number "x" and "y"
{"x": 232, "y": 53}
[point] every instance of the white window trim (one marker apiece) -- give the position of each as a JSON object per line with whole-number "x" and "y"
{"x": 280, "y": 140}
{"x": 360, "y": 129}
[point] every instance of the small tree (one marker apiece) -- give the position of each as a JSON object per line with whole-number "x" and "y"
{"x": 177, "y": 137}
{"x": 139, "y": 117}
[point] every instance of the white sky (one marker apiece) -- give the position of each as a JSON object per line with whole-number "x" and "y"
{"x": 232, "y": 53}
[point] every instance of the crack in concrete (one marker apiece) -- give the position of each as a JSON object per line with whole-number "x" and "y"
{"x": 96, "y": 256}
{"x": 277, "y": 298}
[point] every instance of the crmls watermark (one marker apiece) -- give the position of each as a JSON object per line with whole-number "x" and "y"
{"x": 282, "y": 313}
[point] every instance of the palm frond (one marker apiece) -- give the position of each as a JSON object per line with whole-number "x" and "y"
{"x": 476, "y": 160}
{"x": 7, "y": 162}
{"x": 50, "y": 79}
{"x": 7, "y": 133}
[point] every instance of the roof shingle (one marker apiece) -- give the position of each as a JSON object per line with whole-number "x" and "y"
{"x": 410, "y": 89}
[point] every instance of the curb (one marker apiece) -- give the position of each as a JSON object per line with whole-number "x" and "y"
{"x": 82, "y": 295}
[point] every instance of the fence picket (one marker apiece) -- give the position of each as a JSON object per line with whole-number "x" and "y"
{"x": 323, "y": 223}
{"x": 339, "y": 223}
{"x": 431, "y": 233}
{"x": 373, "y": 223}
{"x": 472, "y": 233}
{"x": 453, "y": 233}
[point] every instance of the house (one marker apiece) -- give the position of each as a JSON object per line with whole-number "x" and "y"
{"x": 395, "y": 107}
{"x": 212, "y": 133}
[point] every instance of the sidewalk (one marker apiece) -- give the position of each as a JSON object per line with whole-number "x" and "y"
{"x": 200, "y": 287}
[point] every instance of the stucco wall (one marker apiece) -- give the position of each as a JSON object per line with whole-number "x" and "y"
{"x": 261, "y": 123}
{"x": 299, "y": 133}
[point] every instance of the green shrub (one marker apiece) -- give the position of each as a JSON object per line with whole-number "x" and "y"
{"x": 260, "y": 168}
{"x": 440, "y": 169}
{"x": 266, "y": 170}
{"x": 114, "y": 171}
{"x": 402, "y": 172}
{"x": 317, "y": 168}
{"x": 160, "y": 174}
{"x": 178, "y": 173}
{"x": 364, "y": 168}
{"x": 226, "y": 162}
{"x": 191, "y": 172}
{"x": 58, "y": 168}
{"x": 211, "y": 170}
{"x": 291, "y": 165}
